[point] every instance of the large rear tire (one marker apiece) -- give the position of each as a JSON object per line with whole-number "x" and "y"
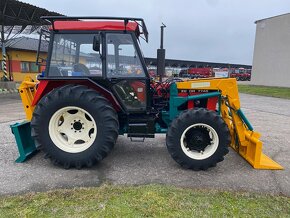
{"x": 75, "y": 126}
{"x": 198, "y": 139}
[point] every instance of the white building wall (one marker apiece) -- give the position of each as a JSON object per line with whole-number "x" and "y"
{"x": 271, "y": 62}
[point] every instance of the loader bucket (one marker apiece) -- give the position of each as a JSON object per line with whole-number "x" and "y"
{"x": 24, "y": 141}
{"x": 249, "y": 144}
{"x": 254, "y": 155}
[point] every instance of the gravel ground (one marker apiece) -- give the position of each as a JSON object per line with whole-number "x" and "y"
{"x": 149, "y": 162}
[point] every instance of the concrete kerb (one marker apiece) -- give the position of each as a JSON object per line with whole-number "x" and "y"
{"x": 8, "y": 87}
{"x": 8, "y": 91}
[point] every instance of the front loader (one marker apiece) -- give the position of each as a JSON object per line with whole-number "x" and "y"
{"x": 96, "y": 86}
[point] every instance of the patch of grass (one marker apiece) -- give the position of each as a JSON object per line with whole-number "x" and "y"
{"x": 278, "y": 92}
{"x": 143, "y": 201}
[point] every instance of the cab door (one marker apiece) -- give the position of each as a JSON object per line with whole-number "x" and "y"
{"x": 126, "y": 71}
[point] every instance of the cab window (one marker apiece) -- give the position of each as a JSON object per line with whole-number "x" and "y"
{"x": 73, "y": 55}
{"x": 122, "y": 57}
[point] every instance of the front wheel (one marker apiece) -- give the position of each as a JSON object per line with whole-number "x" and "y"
{"x": 198, "y": 139}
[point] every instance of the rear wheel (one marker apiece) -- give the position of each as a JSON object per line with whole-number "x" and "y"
{"x": 75, "y": 126}
{"x": 198, "y": 139}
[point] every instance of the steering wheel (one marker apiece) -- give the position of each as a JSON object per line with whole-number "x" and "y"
{"x": 81, "y": 68}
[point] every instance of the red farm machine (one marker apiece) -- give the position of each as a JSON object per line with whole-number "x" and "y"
{"x": 96, "y": 86}
{"x": 196, "y": 72}
{"x": 241, "y": 74}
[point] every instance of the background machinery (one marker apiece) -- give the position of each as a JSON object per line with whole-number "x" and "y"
{"x": 241, "y": 74}
{"x": 96, "y": 87}
{"x": 195, "y": 73}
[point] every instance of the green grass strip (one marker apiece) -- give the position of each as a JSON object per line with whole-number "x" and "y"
{"x": 143, "y": 201}
{"x": 278, "y": 92}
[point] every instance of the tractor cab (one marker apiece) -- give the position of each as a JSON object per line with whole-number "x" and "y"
{"x": 105, "y": 52}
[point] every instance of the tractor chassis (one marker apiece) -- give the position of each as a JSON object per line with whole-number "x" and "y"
{"x": 244, "y": 139}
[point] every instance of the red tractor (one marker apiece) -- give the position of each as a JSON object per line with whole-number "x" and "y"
{"x": 241, "y": 74}
{"x": 96, "y": 86}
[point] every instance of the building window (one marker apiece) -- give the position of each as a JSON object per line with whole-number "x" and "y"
{"x": 0, "y": 65}
{"x": 33, "y": 67}
{"x": 29, "y": 67}
{"x": 24, "y": 67}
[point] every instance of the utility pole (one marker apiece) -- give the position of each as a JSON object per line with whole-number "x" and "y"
{"x": 161, "y": 56}
{"x": 4, "y": 58}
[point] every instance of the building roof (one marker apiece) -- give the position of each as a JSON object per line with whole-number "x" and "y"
{"x": 18, "y": 17}
{"x": 26, "y": 43}
{"x": 271, "y": 17}
{"x": 31, "y": 44}
{"x": 16, "y": 13}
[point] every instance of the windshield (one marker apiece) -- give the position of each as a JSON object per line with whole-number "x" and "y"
{"x": 73, "y": 55}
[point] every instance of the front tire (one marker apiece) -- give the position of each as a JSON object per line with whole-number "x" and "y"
{"x": 198, "y": 139}
{"x": 75, "y": 126}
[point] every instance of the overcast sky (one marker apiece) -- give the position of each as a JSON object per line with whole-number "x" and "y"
{"x": 198, "y": 30}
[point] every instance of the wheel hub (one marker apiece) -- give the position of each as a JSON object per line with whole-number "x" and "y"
{"x": 78, "y": 125}
{"x": 197, "y": 139}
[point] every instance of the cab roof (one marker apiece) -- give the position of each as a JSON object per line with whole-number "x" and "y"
{"x": 95, "y": 25}
{"x": 136, "y": 25}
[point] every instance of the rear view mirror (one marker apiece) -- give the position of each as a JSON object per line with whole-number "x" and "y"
{"x": 96, "y": 43}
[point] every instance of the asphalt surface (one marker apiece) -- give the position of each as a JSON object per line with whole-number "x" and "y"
{"x": 149, "y": 162}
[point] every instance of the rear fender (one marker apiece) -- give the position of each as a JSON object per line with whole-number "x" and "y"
{"x": 45, "y": 86}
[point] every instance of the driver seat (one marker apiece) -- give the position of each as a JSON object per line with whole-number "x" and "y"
{"x": 81, "y": 68}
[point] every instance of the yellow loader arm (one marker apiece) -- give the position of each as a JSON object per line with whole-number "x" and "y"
{"x": 244, "y": 139}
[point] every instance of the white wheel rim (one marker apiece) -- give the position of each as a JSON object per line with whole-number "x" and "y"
{"x": 72, "y": 129}
{"x": 209, "y": 149}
